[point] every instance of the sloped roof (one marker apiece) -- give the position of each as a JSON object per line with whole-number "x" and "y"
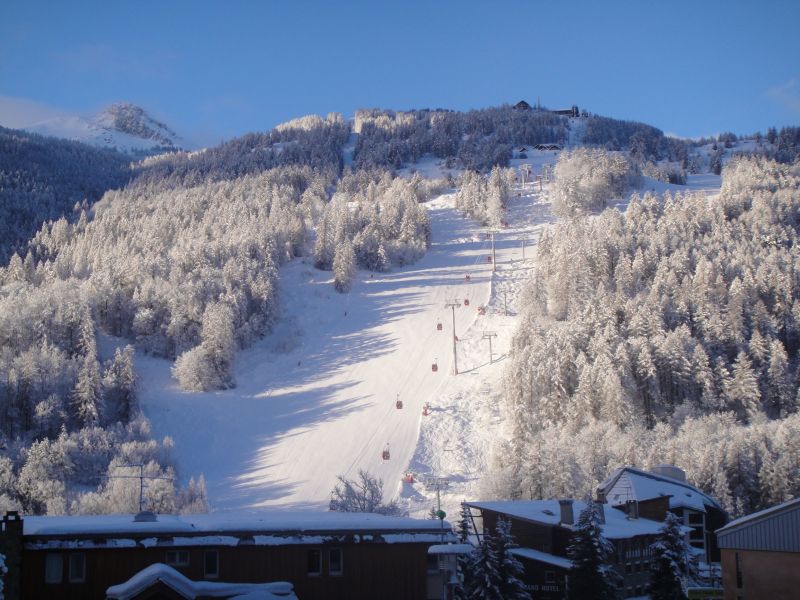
{"x": 774, "y": 529}
{"x": 253, "y": 522}
{"x": 548, "y": 512}
{"x": 187, "y": 588}
{"x": 543, "y": 557}
{"x": 628, "y": 483}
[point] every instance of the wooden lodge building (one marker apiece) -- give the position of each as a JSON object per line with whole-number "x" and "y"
{"x": 323, "y": 555}
{"x": 761, "y": 554}
{"x": 543, "y": 529}
{"x": 664, "y": 488}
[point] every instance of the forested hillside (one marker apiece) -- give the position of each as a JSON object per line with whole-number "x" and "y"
{"x": 44, "y": 178}
{"x": 182, "y": 263}
{"x": 669, "y": 333}
{"x": 180, "y": 256}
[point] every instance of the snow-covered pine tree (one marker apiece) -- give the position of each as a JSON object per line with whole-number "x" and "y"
{"x": 87, "y": 398}
{"x": 510, "y": 568}
{"x": 589, "y": 550}
{"x": 670, "y": 565}
{"x": 463, "y": 525}
{"x": 344, "y": 266}
{"x": 119, "y": 386}
{"x": 495, "y": 572}
{"x": 465, "y": 579}
{"x": 484, "y": 576}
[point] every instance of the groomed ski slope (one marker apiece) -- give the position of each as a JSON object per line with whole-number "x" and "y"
{"x": 316, "y": 398}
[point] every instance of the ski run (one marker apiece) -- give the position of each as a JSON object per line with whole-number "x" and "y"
{"x": 320, "y": 396}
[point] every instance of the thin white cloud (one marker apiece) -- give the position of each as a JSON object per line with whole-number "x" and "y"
{"x": 17, "y": 113}
{"x": 787, "y": 95}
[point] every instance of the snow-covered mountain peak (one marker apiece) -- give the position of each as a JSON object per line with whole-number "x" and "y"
{"x": 124, "y": 126}
{"x": 134, "y": 120}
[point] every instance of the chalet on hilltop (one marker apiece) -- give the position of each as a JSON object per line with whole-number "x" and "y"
{"x": 334, "y": 555}
{"x": 522, "y": 105}
{"x": 568, "y": 112}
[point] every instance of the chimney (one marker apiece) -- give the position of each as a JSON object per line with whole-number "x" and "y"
{"x": 145, "y": 516}
{"x": 11, "y": 547}
{"x": 567, "y": 516}
{"x": 632, "y": 509}
{"x": 670, "y": 471}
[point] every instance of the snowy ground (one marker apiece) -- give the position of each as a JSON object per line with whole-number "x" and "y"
{"x": 316, "y": 398}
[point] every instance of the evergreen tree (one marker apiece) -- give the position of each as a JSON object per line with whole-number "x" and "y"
{"x": 495, "y": 572}
{"x": 463, "y": 526}
{"x": 484, "y": 577}
{"x": 589, "y": 550}
{"x": 87, "y": 398}
{"x": 669, "y": 565}
{"x": 465, "y": 561}
{"x": 510, "y": 569}
{"x": 344, "y": 266}
{"x": 119, "y": 386}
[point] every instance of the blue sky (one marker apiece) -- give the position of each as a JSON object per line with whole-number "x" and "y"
{"x": 214, "y": 70}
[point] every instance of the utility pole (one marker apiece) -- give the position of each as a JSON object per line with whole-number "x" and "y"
{"x": 488, "y": 335}
{"x": 141, "y": 477}
{"x": 438, "y": 483}
{"x": 453, "y": 304}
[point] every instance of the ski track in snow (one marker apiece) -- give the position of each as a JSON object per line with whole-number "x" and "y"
{"x": 316, "y": 397}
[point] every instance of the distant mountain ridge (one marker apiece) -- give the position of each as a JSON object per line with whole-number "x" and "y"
{"x": 122, "y": 126}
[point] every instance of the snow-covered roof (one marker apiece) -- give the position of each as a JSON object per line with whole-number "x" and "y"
{"x": 192, "y": 589}
{"x": 260, "y": 522}
{"x": 543, "y": 557}
{"x": 617, "y": 525}
{"x": 628, "y": 483}
{"x": 451, "y": 549}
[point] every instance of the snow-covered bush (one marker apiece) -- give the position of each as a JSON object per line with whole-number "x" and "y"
{"x": 586, "y": 179}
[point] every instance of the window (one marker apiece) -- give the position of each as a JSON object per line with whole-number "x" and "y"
{"x": 178, "y": 558}
{"x": 314, "y": 561}
{"x": 335, "y": 561}
{"x": 211, "y": 564}
{"x": 549, "y": 576}
{"x": 433, "y": 563}
{"x": 695, "y": 518}
{"x": 77, "y": 567}
{"x": 53, "y": 568}
{"x": 738, "y": 570}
